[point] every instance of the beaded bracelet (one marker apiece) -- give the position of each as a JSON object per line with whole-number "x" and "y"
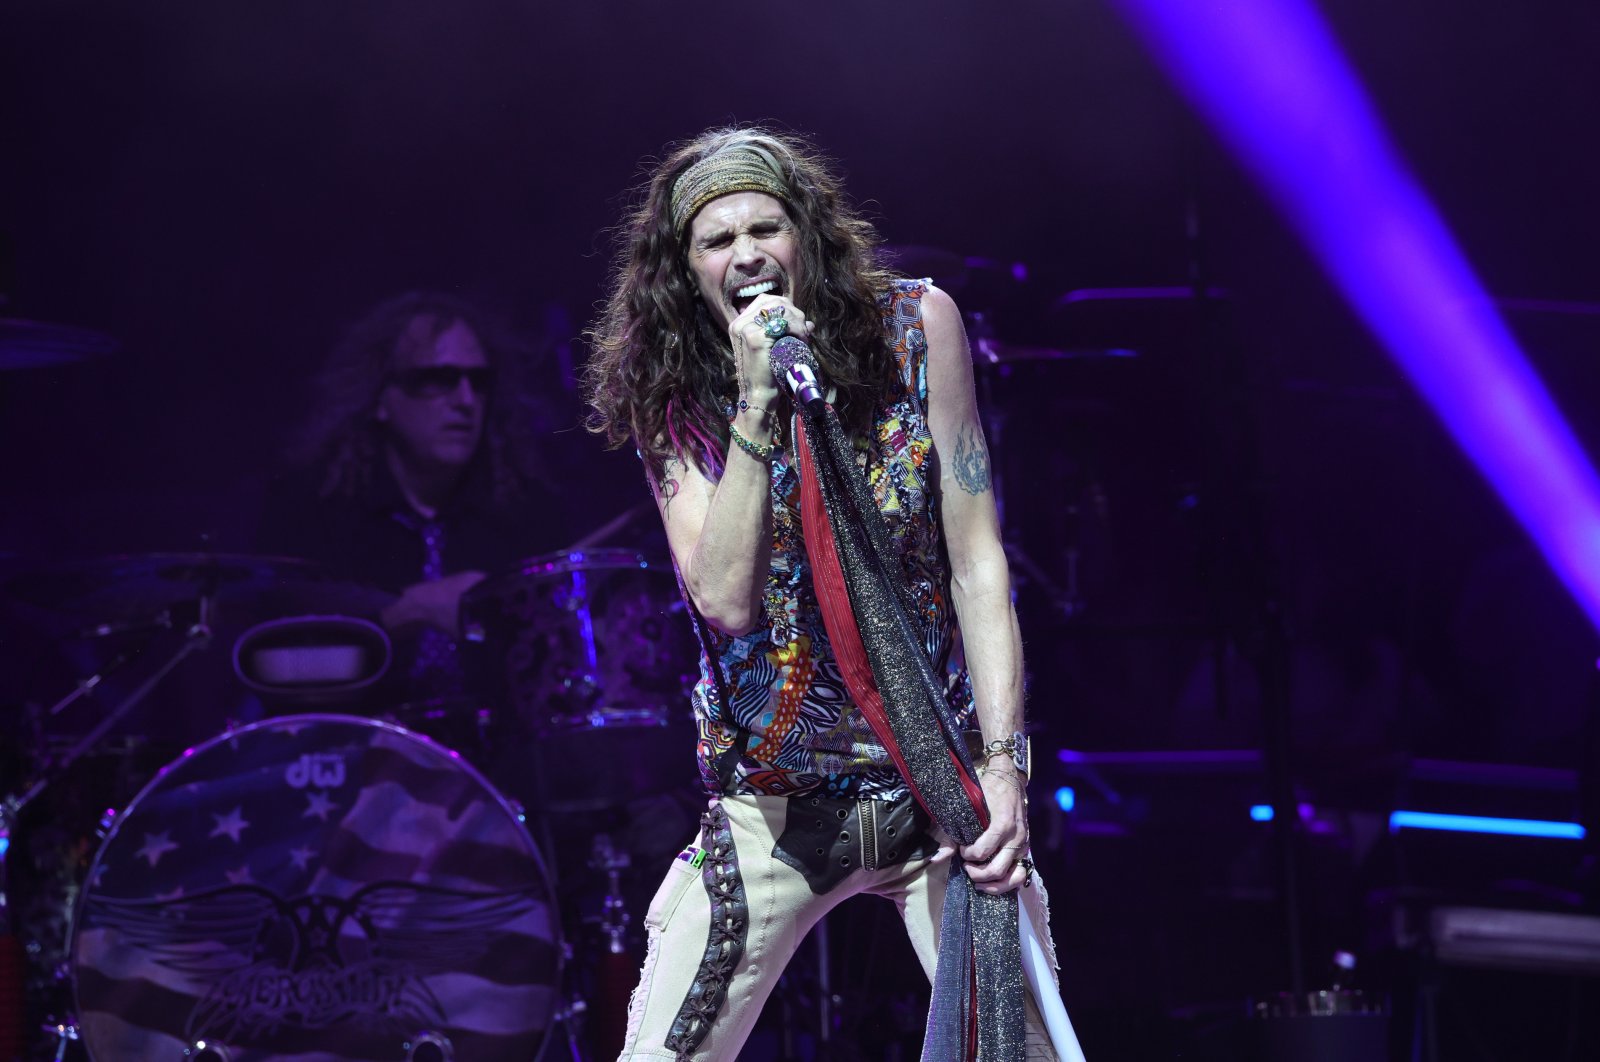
{"x": 755, "y": 450}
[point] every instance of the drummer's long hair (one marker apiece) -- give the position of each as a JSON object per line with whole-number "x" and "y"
{"x": 342, "y": 434}
{"x": 660, "y": 371}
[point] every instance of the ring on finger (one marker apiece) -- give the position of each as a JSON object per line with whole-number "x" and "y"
{"x": 773, "y": 322}
{"x": 1026, "y": 864}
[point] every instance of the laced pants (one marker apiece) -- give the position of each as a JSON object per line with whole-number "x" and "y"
{"x": 781, "y": 911}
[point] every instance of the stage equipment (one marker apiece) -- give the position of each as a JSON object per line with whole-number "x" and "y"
{"x": 1497, "y": 938}
{"x": 317, "y": 884}
{"x": 1329, "y": 1025}
{"x": 311, "y": 659}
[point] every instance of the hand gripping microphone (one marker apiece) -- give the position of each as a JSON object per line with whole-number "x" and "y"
{"x": 796, "y": 366}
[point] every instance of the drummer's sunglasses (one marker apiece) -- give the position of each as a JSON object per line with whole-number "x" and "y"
{"x": 436, "y": 381}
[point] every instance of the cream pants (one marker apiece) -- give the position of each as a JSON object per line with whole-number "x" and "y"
{"x": 782, "y": 910}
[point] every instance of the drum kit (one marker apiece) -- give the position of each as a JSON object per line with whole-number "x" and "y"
{"x": 337, "y": 879}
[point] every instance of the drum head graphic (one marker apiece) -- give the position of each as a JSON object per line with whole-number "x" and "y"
{"x": 317, "y": 889}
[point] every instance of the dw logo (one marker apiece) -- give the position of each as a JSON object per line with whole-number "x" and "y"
{"x": 323, "y": 770}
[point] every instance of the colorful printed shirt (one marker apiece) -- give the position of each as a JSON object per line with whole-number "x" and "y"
{"x": 781, "y": 682}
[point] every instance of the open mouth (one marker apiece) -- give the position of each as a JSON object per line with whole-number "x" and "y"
{"x": 745, "y": 294}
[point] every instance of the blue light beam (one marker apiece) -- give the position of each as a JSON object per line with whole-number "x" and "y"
{"x": 1428, "y": 820}
{"x": 1271, "y": 79}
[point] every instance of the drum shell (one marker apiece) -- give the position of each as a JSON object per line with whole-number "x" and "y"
{"x": 592, "y": 656}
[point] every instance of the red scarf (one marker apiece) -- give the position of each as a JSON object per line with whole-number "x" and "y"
{"x": 827, "y": 575}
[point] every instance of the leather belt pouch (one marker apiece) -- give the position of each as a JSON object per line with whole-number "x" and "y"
{"x": 826, "y": 838}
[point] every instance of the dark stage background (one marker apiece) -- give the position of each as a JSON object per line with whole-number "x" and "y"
{"x": 224, "y": 187}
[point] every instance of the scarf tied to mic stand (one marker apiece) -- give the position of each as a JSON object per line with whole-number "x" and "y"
{"x": 867, "y": 609}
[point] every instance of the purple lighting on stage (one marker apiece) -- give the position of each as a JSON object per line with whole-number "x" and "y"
{"x": 1271, "y": 79}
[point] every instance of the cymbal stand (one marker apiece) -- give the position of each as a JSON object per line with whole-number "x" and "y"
{"x": 614, "y": 969}
{"x": 196, "y": 637}
{"x": 613, "y": 918}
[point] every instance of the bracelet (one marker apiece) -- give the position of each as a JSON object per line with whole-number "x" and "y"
{"x": 755, "y": 450}
{"x": 1012, "y": 780}
{"x": 1017, "y": 746}
{"x": 744, "y": 405}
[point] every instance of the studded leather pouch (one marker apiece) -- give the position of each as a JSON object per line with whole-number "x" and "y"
{"x": 826, "y": 838}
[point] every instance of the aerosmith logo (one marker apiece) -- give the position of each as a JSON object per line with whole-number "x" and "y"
{"x": 259, "y": 962}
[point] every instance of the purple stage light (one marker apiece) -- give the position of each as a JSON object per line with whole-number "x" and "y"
{"x": 1271, "y": 79}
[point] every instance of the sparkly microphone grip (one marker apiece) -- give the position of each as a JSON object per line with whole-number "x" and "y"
{"x": 795, "y": 365}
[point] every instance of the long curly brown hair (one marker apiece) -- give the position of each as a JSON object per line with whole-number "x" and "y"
{"x": 661, "y": 371}
{"x": 342, "y": 436}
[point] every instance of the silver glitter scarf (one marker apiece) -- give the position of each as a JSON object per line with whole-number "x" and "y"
{"x": 977, "y": 985}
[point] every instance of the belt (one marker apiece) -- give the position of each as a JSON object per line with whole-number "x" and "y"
{"x": 826, "y": 838}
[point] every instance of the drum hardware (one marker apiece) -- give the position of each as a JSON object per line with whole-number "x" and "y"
{"x": 430, "y": 1047}
{"x": 196, "y": 638}
{"x": 65, "y": 1034}
{"x": 572, "y": 1016}
{"x": 165, "y": 620}
{"x": 311, "y": 659}
{"x": 201, "y": 1051}
{"x": 614, "y": 969}
{"x": 613, "y": 918}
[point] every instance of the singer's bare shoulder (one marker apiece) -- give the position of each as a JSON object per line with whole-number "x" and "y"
{"x": 949, "y": 356}
{"x": 952, "y": 404}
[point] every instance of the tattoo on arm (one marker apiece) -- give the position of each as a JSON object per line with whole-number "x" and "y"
{"x": 669, "y": 487}
{"x": 971, "y": 464}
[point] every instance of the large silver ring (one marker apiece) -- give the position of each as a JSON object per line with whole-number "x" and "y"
{"x": 773, "y": 322}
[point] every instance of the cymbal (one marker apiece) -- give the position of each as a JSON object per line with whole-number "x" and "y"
{"x": 36, "y": 344}
{"x": 998, "y": 352}
{"x": 947, "y": 268}
{"x": 1155, "y": 319}
{"x": 111, "y": 593}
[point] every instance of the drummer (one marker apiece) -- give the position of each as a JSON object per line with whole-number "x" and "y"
{"x": 417, "y": 470}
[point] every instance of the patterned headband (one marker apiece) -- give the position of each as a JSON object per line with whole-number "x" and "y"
{"x": 741, "y": 168}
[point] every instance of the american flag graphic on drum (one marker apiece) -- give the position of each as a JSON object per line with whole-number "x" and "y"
{"x": 317, "y": 889}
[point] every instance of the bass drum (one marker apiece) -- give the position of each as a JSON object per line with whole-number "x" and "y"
{"x": 317, "y": 889}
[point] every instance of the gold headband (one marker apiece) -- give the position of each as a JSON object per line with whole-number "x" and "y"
{"x": 740, "y": 168}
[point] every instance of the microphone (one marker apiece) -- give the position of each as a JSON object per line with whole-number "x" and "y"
{"x": 795, "y": 365}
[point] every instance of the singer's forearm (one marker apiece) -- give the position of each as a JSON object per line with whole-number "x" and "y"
{"x": 728, "y": 568}
{"x": 721, "y": 532}
{"x": 993, "y": 643}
